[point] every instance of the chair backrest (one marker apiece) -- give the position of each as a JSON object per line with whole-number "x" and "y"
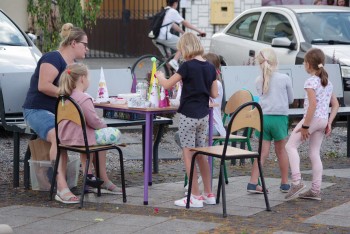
{"x": 248, "y": 115}
{"x": 68, "y": 109}
{"x": 237, "y": 99}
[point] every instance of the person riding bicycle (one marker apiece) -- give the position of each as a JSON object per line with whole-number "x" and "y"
{"x": 166, "y": 38}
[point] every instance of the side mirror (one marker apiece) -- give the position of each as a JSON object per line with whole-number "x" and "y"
{"x": 283, "y": 42}
{"x": 32, "y": 37}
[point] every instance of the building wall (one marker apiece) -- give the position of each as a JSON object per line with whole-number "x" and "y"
{"x": 17, "y": 11}
{"x": 199, "y": 15}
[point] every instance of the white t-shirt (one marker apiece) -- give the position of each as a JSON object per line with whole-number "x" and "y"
{"x": 171, "y": 16}
{"x": 217, "y": 111}
{"x": 323, "y": 96}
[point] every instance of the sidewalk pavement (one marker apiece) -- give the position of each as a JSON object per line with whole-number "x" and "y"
{"x": 247, "y": 214}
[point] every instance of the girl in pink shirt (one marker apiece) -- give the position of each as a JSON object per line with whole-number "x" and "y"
{"x": 315, "y": 124}
{"x": 74, "y": 82}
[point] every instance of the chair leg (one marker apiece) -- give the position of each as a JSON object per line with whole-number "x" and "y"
{"x": 54, "y": 174}
{"x": 97, "y": 161}
{"x": 219, "y": 186}
{"x": 193, "y": 163}
{"x": 185, "y": 180}
{"x": 16, "y": 156}
{"x": 121, "y": 159}
{"x": 264, "y": 186}
{"x": 225, "y": 173}
{"x": 84, "y": 179}
{"x": 223, "y": 193}
{"x": 26, "y": 164}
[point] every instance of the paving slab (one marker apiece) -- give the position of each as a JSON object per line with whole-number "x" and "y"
{"x": 343, "y": 173}
{"x": 337, "y": 216}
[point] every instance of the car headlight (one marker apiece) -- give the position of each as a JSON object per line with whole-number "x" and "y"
{"x": 345, "y": 71}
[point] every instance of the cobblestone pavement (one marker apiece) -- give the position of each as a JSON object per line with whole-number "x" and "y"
{"x": 288, "y": 216}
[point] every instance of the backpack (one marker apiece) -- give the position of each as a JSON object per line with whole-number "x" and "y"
{"x": 156, "y": 24}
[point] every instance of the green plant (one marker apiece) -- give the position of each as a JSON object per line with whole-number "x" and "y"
{"x": 48, "y": 16}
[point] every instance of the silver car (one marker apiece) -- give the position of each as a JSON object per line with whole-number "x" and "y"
{"x": 291, "y": 30}
{"x": 17, "y": 51}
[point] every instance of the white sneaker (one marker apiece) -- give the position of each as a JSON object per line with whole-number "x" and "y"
{"x": 209, "y": 199}
{"x": 174, "y": 64}
{"x": 194, "y": 202}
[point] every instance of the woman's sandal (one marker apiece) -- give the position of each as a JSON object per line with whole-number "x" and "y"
{"x": 253, "y": 188}
{"x": 111, "y": 188}
{"x": 66, "y": 199}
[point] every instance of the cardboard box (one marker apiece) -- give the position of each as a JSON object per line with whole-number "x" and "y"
{"x": 40, "y": 150}
{"x": 41, "y": 174}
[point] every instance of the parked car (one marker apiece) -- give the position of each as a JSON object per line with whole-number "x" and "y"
{"x": 291, "y": 30}
{"x": 18, "y": 53}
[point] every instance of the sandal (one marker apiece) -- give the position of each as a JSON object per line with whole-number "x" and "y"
{"x": 253, "y": 188}
{"x": 93, "y": 181}
{"x": 66, "y": 199}
{"x": 109, "y": 187}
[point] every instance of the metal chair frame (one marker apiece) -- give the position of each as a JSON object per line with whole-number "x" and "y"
{"x": 248, "y": 115}
{"x": 68, "y": 109}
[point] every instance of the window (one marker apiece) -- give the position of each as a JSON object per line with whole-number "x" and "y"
{"x": 245, "y": 26}
{"x": 273, "y": 26}
{"x": 9, "y": 34}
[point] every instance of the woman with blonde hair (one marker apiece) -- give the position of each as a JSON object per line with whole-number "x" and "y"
{"x": 275, "y": 94}
{"x": 39, "y": 106}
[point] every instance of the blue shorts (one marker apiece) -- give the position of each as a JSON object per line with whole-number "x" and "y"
{"x": 41, "y": 121}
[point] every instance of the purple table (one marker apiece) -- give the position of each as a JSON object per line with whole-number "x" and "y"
{"x": 149, "y": 114}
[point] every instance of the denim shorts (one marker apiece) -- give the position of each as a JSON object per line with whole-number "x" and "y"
{"x": 41, "y": 121}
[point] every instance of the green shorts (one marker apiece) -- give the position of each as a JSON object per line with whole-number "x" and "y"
{"x": 275, "y": 127}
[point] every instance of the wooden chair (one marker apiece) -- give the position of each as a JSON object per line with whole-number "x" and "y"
{"x": 68, "y": 109}
{"x": 237, "y": 99}
{"x": 248, "y": 115}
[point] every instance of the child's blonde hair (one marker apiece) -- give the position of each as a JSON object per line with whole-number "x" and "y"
{"x": 190, "y": 46}
{"x": 70, "y": 77}
{"x": 316, "y": 58}
{"x": 215, "y": 60}
{"x": 267, "y": 60}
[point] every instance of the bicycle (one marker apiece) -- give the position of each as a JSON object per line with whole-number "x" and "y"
{"x": 143, "y": 65}
{"x": 141, "y": 69}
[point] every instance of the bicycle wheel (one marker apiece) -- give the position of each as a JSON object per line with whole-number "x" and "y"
{"x": 142, "y": 68}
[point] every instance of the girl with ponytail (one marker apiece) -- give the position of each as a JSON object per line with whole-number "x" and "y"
{"x": 275, "y": 94}
{"x": 316, "y": 123}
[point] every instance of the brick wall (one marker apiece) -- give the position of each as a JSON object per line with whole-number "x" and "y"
{"x": 199, "y": 15}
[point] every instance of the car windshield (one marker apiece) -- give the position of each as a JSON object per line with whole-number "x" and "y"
{"x": 9, "y": 33}
{"x": 325, "y": 27}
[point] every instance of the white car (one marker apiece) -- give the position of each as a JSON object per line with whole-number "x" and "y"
{"x": 17, "y": 51}
{"x": 291, "y": 30}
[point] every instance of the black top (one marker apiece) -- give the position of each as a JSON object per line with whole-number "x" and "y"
{"x": 197, "y": 78}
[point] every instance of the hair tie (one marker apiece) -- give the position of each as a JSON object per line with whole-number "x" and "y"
{"x": 68, "y": 71}
{"x": 320, "y": 65}
{"x": 264, "y": 59}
